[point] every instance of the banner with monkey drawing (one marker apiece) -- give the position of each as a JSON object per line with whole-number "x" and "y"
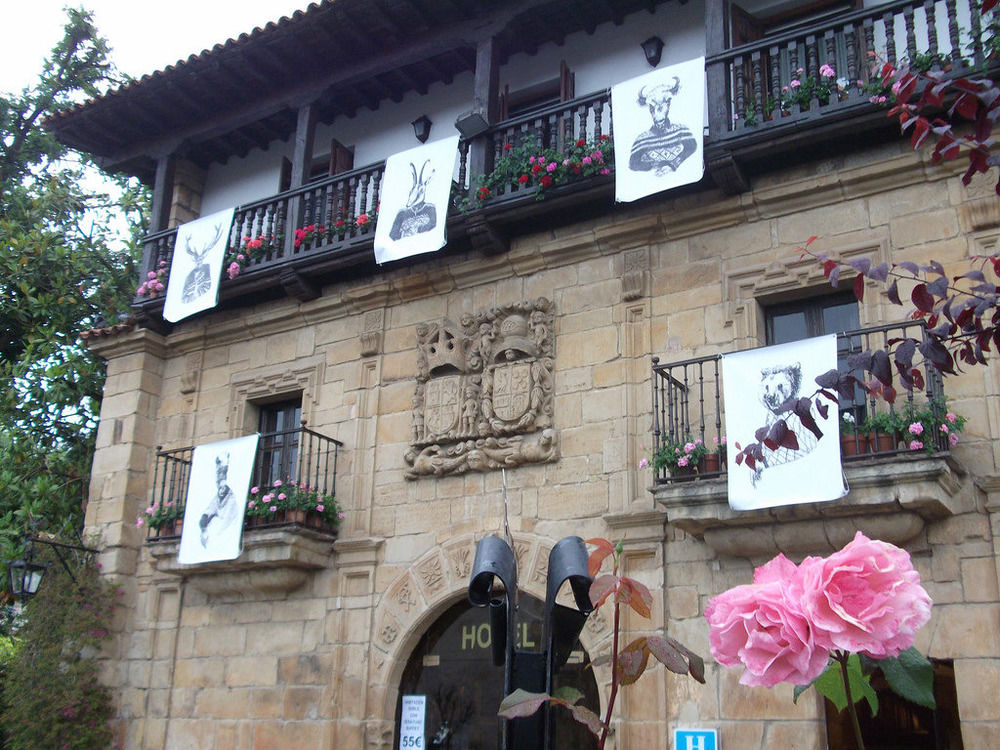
{"x": 216, "y": 500}
{"x": 413, "y": 207}
{"x": 756, "y": 383}
{"x": 659, "y": 120}
{"x": 196, "y": 268}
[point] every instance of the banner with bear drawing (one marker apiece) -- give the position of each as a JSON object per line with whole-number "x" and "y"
{"x": 413, "y": 206}
{"x": 196, "y": 268}
{"x": 659, "y": 123}
{"x": 216, "y": 500}
{"x": 755, "y": 384}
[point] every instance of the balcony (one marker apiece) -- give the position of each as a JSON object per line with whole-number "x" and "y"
{"x": 753, "y": 124}
{"x": 279, "y": 550}
{"x": 894, "y": 491}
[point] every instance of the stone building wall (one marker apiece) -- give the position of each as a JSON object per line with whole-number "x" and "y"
{"x": 234, "y": 658}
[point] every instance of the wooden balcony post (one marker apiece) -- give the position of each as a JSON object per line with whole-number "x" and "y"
{"x": 305, "y": 129}
{"x": 486, "y": 97}
{"x": 719, "y": 117}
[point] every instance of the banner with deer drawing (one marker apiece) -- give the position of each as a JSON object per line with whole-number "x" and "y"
{"x": 216, "y": 500}
{"x": 756, "y": 383}
{"x": 414, "y": 201}
{"x": 658, "y": 120}
{"x": 199, "y": 250}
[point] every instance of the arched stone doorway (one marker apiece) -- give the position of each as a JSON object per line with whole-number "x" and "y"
{"x": 452, "y": 667}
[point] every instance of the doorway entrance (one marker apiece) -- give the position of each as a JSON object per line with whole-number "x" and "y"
{"x": 452, "y": 667}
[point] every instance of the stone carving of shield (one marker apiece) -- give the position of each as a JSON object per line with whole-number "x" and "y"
{"x": 511, "y": 390}
{"x": 442, "y": 403}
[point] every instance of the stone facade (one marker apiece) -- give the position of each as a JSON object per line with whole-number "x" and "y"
{"x": 311, "y": 653}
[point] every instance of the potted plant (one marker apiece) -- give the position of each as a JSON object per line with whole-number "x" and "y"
{"x": 164, "y": 519}
{"x": 882, "y": 430}
{"x": 288, "y": 501}
{"x": 851, "y": 441}
{"x": 680, "y": 458}
{"x": 715, "y": 460}
{"x": 931, "y": 426}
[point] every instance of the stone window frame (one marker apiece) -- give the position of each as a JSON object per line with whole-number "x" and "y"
{"x": 269, "y": 384}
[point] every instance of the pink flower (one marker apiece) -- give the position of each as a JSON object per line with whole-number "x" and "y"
{"x": 827, "y": 71}
{"x": 597, "y": 156}
{"x": 762, "y": 627}
{"x": 281, "y": 496}
{"x": 866, "y": 598}
{"x": 683, "y": 461}
{"x": 586, "y": 160}
{"x": 916, "y": 428}
{"x": 320, "y": 508}
{"x": 879, "y": 99}
{"x": 277, "y": 482}
{"x": 150, "y": 510}
{"x": 643, "y": 463}
{"x": 341, "y": 515}
{"x": 551, "y": 167}
{"x": 688, "y": 447}
{"x": 794, "y": 83}
{"x": 916, "y": 445}
{"x": 240, "y": 256}
{"x": 944, "y": 429}
{"x": 531, "y": 160}
{"x": 151, "y": 275}
{"x": 362, "y": 220}
{"x": 273, "y": 509}
{"x": 251, "y": 504}
{"x": 233, "y": 270}
{"x": 950, "y": 417}
{"x": 605, "y": 171}
{"x": 953, "y": 439}
{"x": 139, "y": 522}
{"x": 254, "y": 490}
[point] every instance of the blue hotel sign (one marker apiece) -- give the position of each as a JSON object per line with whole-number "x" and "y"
{"x": 696, "y": 739}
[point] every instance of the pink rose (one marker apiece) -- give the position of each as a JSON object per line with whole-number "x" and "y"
{"x": 273, "y": 508}
{"x": 950, "y": 417}
{"x": 865, "y": 598}
{"x": 320, "y": 508}
{"x": 763, "y": 628}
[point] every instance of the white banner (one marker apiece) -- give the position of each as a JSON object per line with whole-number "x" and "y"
{"x": 216, "y": 500}
{"x": 659, "y": 121}
{"x": 196, "y": 269}
{"x": 416, "y": 189}
{"x": 755, "y": 383}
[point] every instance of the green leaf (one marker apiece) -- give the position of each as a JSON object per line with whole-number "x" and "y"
{"x": 911, "y": 676}
{"x": 831, "y": 685}
{"x": 568, "y": 694}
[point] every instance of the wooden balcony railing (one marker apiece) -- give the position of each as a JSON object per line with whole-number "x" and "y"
{"x": 300, "y": 455}
{"x": 687, "y": 403}
{"x": 757, "y": 76}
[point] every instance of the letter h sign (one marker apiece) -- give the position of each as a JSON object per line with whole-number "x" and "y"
{"x": 696, "y": 739}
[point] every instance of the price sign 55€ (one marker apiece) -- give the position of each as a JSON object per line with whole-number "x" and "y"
{"x": 411, "y": 722}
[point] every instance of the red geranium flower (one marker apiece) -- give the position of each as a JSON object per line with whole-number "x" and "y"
{"x": 546, "y": 181}
{"x": 524, "y": 179}
{"x": 605, "y": 138}
{"x": 581, "y": 142}
{"x": 507, "y": 147}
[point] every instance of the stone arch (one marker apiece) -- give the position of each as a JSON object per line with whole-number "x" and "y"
{"x": 423, "y": 592}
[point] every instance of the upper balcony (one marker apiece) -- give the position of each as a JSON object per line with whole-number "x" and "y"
{"x": 757, "y": 117}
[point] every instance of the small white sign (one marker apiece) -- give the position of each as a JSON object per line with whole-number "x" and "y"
{"x": 696, "y": 739}
{"x": 411, "y": 722}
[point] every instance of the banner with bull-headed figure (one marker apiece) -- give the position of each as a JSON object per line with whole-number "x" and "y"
{"x": 659, "y": 121}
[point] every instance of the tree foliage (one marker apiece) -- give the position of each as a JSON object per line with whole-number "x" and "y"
{"x": 64, "y": 267}
{"x": 51, "y": 694}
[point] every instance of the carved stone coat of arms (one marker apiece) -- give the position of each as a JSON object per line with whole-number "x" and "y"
{"x": 484, "y": 395}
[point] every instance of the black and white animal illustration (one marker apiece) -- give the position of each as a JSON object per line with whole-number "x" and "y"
{"x": 418, "y": 215}
{"x": 663, "y": 147}
{"x": 199, "y": 280}
{"x": 777, "y": 385}
{"x": 223, "y": 508}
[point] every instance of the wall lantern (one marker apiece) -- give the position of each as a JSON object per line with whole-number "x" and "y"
{"x": 26, "y": 574}
{"x": 652, "y": 48}
{"x": 422, "y": 128}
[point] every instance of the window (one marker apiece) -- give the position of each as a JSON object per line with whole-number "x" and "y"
{"x": 280, "y": 427}
{"x": 340, "y": 159}
{"x": 815, "y": 316}
{"x": 527, "y": 100}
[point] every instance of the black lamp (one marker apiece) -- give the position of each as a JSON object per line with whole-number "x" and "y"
{"x": 25, "y": 577}
{"x": 652, "y": 48}
{"x": 26, "y": 574}
{"x": 422, "y": 128}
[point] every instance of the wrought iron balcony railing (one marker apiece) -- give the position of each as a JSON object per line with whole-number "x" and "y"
{"x": 687, "y": 405}
{"x": 300, "y": 455}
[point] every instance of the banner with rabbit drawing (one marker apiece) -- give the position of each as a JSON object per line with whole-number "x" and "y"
{"x": 416, "y": 189}
{"x": 756, "y": 383}
{"x": 216, "y": 500}
{"x": 199, "y": 250}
